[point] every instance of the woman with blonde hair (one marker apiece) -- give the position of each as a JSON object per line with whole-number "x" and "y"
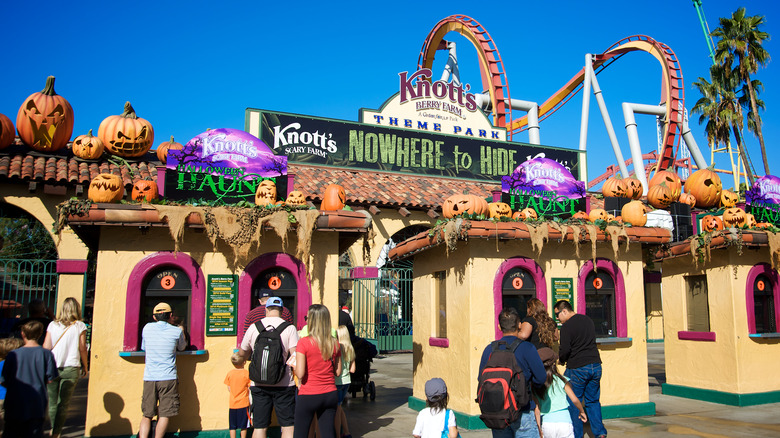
{"x": 66, "y": 337}
{"x": 317, "y": 363}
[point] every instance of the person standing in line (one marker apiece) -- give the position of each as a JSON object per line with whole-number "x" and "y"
{"x": 318, "y": 361}
{"x": 344, "y": 380}
{"x": 258, "y": 313}
{"x": 160, "y": 340}
{"x": 435, "y": 421}
{"x": 6, "y": 346}
{"x": 537, "y": 327}
{"x": 66, "y": 337}
{"x": 37, "y": 311}
{"x": 279, "y": 396}
{"x": 237, "y": 381}
{"x": 580, "y": 354}
{"x": 533, "y": 371}
{"x": 552, "y": 408}
{"x": 26, "y": 372}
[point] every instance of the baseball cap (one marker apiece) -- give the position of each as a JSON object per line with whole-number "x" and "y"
{"x": 434, "y": 387}
{"x": 162, "y": 308}
{"x": 546, "y": 354}
{"x": 274, "y": 302}
{"x": 265, "y": 293}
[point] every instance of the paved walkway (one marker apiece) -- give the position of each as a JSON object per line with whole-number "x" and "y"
{"x": 388, "y": 416}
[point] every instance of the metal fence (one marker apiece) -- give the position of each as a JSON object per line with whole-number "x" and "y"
{"x": 22, "y": 281}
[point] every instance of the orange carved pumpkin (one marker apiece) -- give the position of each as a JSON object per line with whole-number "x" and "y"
{"x": 518, "y": 215}
{"x": 499, "y": 209}
{"x": 705, "y": 185}
{"x": 164, "y": 147}
{"x": 464, "y": 204}
{"x": 597, "y": 214}
{"x": 734, "y": 217}
{"x": 581, "y": 215}
{"x": 615, "y": 187}
{"x": 265, "y": 193}
{"x": 671, "y": 179}
{"x": 711, "y": 223}
{"x": 750, "y": 220}
{"x": 88, "y": 146}
{"x": 660, "y": 196}
{"x": 633, "y": 187}
{"x": 126, "y": 135}
{"x": 6, "y": 131}
{"x": 634, "y": 213}
{"x": 144, "y": 190}
{"x": 728, "y": 198}
{"x": 295, "y": 198}
{"x": 688, "y": 199}
{"x": 334, "y": 198}
{"x": 764, "y": 225}
{"x": 45, "y": 120}
{"x": 106, "y": 187}
{"x": 530, "y": 213}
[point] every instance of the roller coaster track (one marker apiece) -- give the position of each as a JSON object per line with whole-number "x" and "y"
{"x": 491, "y": 66}
{"x": 495, "y": 82}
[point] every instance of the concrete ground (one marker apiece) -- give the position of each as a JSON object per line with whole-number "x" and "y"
{"x": 388, "y": 415}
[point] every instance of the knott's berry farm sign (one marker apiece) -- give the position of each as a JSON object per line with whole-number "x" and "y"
{"x": 319, "y": 141}
{"x": 222, "y": 164}
{"x": 546, "y": 186}
{"x": 764, "y": 199}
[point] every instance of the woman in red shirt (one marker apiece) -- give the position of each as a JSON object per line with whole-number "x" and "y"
{"x": 317, "y": 362}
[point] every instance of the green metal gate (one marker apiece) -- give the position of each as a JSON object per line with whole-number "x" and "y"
{"x": 22, "y": 280}
{"x": 382, "y": 308}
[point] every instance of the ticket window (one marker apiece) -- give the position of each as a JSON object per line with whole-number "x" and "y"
{"x": 169, "y": 285}
{"x": 764, "y": 304}
{"x": 518, "y": 286}
{"x": 600, "y": 303}
{"x": 279, "y": 283}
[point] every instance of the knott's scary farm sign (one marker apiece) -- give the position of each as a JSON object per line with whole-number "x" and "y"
{"x": 318, "y": 141}
{"x": 764, "y": 199}
{"x": 222, "y": 164}
{"x": 546, "y": 186}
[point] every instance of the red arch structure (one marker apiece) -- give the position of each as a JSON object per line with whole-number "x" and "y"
{"x": 495, "y": 82}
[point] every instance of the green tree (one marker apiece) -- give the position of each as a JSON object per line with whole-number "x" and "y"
{"x": 740, "y": 38}
{"x": 25, "y": 238}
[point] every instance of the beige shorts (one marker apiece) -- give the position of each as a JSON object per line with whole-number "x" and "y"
{"x": 166, "y": 392}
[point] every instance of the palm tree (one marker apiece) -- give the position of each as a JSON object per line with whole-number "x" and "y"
{"x": 740, "y": 37}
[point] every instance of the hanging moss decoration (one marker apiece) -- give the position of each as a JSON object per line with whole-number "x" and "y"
{"x": 177, "y": 218}
{"x": 593, "y": 234}
{"x": 615, "y": 232}
{"x": 538, "y": 235}
{"x": 773, "y": 241}
{"x": 280, "y": 223}
{"x": 307, "y": 222}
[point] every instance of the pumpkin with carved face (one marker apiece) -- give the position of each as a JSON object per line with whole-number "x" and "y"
{"x": 106, "y": 187}
{"x": 598, "y": 214}
{"x": 126, "y": 135}
{"x": 734, "y": 217}
{"x": 265, "y": 193}
{"x": 633, "y": 187}
{"x": 660, "y": 196}
{"x": 711, "y": 223}
{"x": 634, "y": 213}
{"x": 614, "y": 187}
{"x": 88, "y": 146}
{"x": 144, "y": 190}
{"x": 296, "y": 198}
{"x": 671, "y": 179}
{"x": 705, "y": 185}
{"x": 456, "y": 205}
{"x": 45, "y": 120}
{"x": 687, "y": 199}
{"x": 518, "y": 215}
{"x": 6, "y": 131}
{"x": 581, "y": 215}
{"x": 750, "y": 220}
{"x": 499, "y": 209}
{"x": 728, "y": 198}
{"x": 334, "y": 198}
{"x": 530, "y": 213}
{"x": 164, "y": 147}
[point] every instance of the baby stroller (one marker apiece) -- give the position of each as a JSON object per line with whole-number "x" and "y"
{"x": 365, "y": 352}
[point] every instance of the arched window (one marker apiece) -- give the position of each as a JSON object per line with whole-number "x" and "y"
{"x": 517, "y": 288}
{"x": 601, "y": 295}
{"x": 518, "y": 274}
{"x": 762, "y": 294}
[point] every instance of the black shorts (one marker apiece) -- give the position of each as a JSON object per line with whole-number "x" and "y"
{"x": 239, "y": 418}
{"x": 279, "y": 398}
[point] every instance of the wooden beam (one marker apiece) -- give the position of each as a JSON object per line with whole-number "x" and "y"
{"x": 50, "y": 189}
{"x": 404, "y": 212}
{"x": 32, "y": 187}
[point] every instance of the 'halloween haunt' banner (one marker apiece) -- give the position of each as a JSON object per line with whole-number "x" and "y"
{"x": 546, "y": 186}
{"x": 764, "y": 199}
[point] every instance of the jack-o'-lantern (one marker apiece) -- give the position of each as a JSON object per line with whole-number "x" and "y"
{"x": 711, "y": 223}
{"x": 634, "y": 213}
{"x": 164, "y": 147}
{"x": 728, "y": 198}
{"x": 499, "y": 209}
{"x": 518, "y": 215}
{"x": 334, "y": 198}
{"x": 295, "y": 198}
{"x": 619, "y": 219}
{"x": 660, "y": 196}
{"x": 633, "y": 187}
{"x": 750, "y": 220}
{"x": 144, "y": 190}
{"x": 106, "y": 187}
{"x": 687, "y": 199}
{"x": 597, "y": 214}
{"x": 6, "y": 131}
{"x": 464, "y": 204}
{"x": 88, "y": 146}
{"x": 265, "y": 193}
{"x": 705, "y": 185}
{"x": 734, "y": 217}
{"x": 581, "y": 215}
{"x": 614, "y": 187}
{"x": 764, "y": 225}
{"x": 610, "y": 217}
{"x": 671, "y": 179}
{"x": 530, "y": 213}
{"x": 45, "y": 120}
{"x": 126, "y": 135}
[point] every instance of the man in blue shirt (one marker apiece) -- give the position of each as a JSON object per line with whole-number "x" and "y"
{"x": 160, "y": 340}
{"x": 533, "y": 371}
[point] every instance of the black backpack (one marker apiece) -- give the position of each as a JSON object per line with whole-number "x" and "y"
{"x": 268, "y": 356}
{"x": 502, "y": 390}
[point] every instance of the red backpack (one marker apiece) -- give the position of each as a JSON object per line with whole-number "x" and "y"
{"x": 502, "y": 390}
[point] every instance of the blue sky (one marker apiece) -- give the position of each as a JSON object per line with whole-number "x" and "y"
{"x": 190, "y": 66}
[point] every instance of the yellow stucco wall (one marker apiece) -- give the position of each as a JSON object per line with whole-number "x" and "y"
{"x": 471, "y": 270}
{"x": 385, "y": 224}
{"x": 115, "y": 385}
{"x": 653, "y": 311}
{"x": 734, "y": 363}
